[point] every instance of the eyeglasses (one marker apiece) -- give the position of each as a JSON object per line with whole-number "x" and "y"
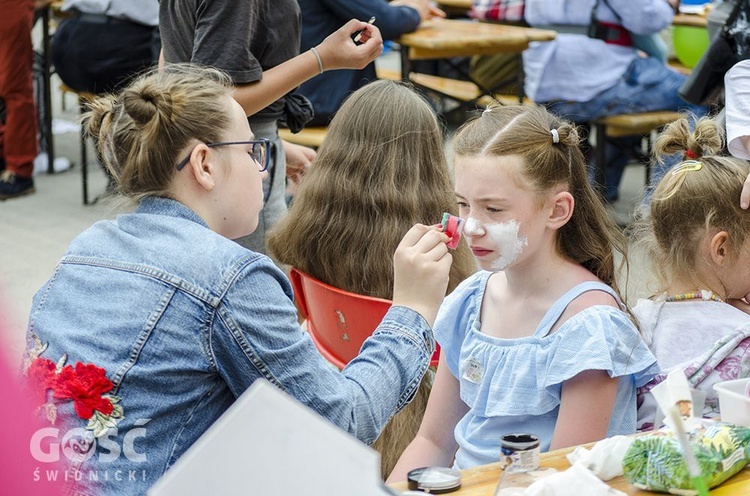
{"x": 258, "y": 152}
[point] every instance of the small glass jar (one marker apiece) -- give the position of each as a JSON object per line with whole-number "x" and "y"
{"x": 519, "y": 452}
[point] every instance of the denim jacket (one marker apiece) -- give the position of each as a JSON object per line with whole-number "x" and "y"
{"x": 152, "y": 325}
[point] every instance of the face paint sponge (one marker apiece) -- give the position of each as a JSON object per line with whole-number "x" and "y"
{"x": 453, "y": 227}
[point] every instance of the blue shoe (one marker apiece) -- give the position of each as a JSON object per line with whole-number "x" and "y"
{"x": 13, "y": 186}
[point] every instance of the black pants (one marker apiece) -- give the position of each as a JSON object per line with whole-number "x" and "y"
{"x": 102, "y": 57}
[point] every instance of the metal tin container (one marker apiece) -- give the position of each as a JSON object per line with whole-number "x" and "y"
{"x": 519, "y": 452}
{"x": 434, "y": 480}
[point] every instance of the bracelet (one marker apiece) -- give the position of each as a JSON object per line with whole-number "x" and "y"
{"x": 317, "y": 56}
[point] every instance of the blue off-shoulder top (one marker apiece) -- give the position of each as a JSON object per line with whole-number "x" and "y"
{"x": 514, "y": 385}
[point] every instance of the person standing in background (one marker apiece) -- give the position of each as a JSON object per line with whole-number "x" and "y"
{"x": 257, "y": 43}
{"x": 320, "y": 18}
{"x": 18, "y": 134}
{"x": 104, "y": 43}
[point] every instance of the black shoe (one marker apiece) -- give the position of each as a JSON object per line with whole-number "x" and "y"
{"x": 13, "y": 186}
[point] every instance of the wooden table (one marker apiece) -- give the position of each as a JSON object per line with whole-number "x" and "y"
{"x": 694, "y": 20}
{"x": 444, "y": 38}
{"x": 455, "y": 4}
{"x": 455, "y": 7}
{"x": 447, "y": 38}
{"x": 482, "y": 480}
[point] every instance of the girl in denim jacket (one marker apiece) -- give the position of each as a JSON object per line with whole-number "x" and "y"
{"x": 538, "y": 341}
{"x": 152, "y": 324}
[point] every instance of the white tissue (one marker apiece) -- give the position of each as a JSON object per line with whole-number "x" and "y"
{"x": 604, "y": 459}
{"x": 576, "y": 481}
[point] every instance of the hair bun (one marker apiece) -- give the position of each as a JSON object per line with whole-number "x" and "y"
{"x": 147, "y": 102}
{"x": 568, "y": 134}
{"x": 99, "y": 110}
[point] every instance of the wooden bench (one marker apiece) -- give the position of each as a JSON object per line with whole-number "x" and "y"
{"x": 309, "y": 136}
{"x": 679, "y": 67}
{"x": 453, "y": 88}
{"x": 462, "y": 90}
{"x": 84, "y": 99}
{"x": 617, "y": 126}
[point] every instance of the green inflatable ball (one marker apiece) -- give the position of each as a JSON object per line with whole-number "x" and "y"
{"x": 689, "y": 44}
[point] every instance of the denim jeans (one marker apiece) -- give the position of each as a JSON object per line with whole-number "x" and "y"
{"x": 647, "y": 85}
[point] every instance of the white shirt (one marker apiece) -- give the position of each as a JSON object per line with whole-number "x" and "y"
{"x": 141, "y": 11}
{"x": 737, "y": 87}
{"x": 679, "y": 331}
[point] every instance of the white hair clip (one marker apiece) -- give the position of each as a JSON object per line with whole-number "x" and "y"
{"x": 486, "y": 111}
{"x": 555, "y": 135}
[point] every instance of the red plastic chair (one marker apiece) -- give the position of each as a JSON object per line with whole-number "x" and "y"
{"x": 338, "y": 321}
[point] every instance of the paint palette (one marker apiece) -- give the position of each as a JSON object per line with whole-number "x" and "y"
{"x": 453, "y": 227}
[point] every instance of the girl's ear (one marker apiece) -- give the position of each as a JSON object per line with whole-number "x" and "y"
{"x": 562, "y": 209}
{"x": 719, "y": 247}
{"x": 201, "y": 167}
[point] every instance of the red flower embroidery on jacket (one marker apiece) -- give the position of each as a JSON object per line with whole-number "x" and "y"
{"x": 85, "y": 385}
{"x": 41, "y": 376}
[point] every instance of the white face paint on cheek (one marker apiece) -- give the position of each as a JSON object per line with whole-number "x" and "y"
{"x": 508, "y": 242}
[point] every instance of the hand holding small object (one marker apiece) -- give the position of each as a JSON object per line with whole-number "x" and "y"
{"x": 421, "y": 267}
{"x": 357, "y": 35}
{"x": 338, "y": 51}
{"x": 453, "y": 227}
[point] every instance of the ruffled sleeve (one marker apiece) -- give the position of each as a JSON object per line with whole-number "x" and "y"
{"x": 598, "y": 338}
{"x": 456, "y": 315}
{"x": 525, "y": 376}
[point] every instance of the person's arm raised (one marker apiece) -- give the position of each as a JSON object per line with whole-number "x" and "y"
{"x": 337, "y": 51}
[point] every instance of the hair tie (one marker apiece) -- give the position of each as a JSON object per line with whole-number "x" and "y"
{"x": 486, "y": 111}
{"x": 555, "y": 135}
{"x": 690, "y": 154}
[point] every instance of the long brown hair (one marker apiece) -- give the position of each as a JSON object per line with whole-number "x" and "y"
{"x": 688, "y": 203}
{"x": 140, "y": 132}
{"x": 551, "y": 155}
{"x": 380, "y": 170}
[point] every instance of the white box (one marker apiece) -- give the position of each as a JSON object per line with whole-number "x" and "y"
{"x": 734, "y": 402}
{"x": 269, "y": 444}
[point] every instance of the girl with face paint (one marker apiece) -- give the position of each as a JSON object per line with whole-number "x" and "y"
{"x": 539, "y": 340}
